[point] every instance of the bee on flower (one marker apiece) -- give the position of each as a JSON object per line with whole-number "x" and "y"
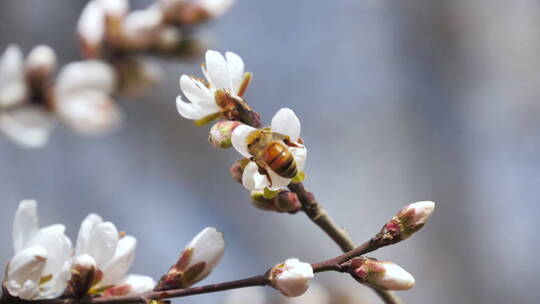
{"x": 276, "y": 154}
{"x": 220, "y": 95}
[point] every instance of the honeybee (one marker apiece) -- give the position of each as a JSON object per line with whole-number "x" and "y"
{"x": 269, "y": 149}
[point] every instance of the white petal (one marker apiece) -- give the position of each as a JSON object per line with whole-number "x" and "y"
{"x": 57, "y": 285}
{"x": 395, "y": 277}
{"x": 193, "y": 111}
{"x": 28, "y": 264}
{"x": 294, "y": 278}
{"x": 115, "y": 8}
{"x": 239, "y": 139}
{"x": 216, "y": 8}
{"x": 236, "y": 70}
{"x": 87, "y": 226}
{"x": 208, "y": 246}
{"x": 138, "y": 283}
{"x": 278, "y": 182}
{"x": 140, "y": 27}
{"x": 122, "y": 260}
{"x": 300, "y": 156}
{"x": 102, "y": 243}
{"x": 28, "y": 126}
{"x": 86, "y": 75}
{"x": 252, "y": 179}
{"x": 25, "y": 224}
{"x": 13, "y": 88}
{"x": 58, "y": 247}
{"x": 27, "y": 291}
{"x": 41, "y": 57}
{"x": 91, "y": 24}
{"x": 196, "y": 91}
{"x": 218, "y": 70}
{"x": 286, "y": 122}
{"x": 89, "y": 112}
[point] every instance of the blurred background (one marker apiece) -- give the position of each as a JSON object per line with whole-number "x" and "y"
{"x": 400, "y": 101}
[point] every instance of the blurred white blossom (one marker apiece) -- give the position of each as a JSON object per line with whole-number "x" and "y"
{"x": 13, "y": 88}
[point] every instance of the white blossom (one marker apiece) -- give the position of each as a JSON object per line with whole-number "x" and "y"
{"x": 291, "y": 278}
{"x": 284, "y": 122}
{"x": 417, "y": 213}
{"x": 222, "y": 73}
{"x": 113, "y": 255}
{"x": 114, "y": 8}
{"x": 40, "y": 267}
{"x": 13, "y": 87}
{"x": 29, "y": 125}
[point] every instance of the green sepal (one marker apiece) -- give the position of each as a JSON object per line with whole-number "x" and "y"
{"x": 300, "y": 176}
{"x": 207, "y": 119}
{"x": 270, "y": 194}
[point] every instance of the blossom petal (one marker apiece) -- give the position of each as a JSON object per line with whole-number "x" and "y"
{"x": 102, "y": 243}
{"x": 122, "y": 260}
{"x": 196, "y": 91}
{"x": 89, "y": 112}
{"x": 300, "y": 155}
{"x": 208, "y": 247}
{"x": 91, "y": 25}
{"x": 87, "y": 226}
{"x": 194, "y": 111}
{"x": 138, "y": 284}
{"x": 13, "y": 88}
{"x": 86, "y": 75}
{"x": 236, "y": 70}
{"x": 29, "y": 126}
{"x": 252, "y": 179}
{"x": 239, "y": 139}
{"x": 218, "y": 70}
{"x": 57, "y": 244}
{"x": 278, "y": 182}
{"x": 28, "y": 264}
{"x": 286, "y": 122}
{"x": 25, "y": 224}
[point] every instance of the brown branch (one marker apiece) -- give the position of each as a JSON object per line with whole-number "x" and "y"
{"x": 260, "y": 280}
{"x": 316, "y": 213}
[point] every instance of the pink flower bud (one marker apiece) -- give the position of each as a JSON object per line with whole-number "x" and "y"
{"x": 221, "y": 133}
{"x": 288, "y": 201}
{"x": 291, "y": 278}
{"x": 381, "y": 274}
{"x": 237, "y": 170}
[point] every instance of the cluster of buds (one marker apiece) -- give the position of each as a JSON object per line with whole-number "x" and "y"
{"x": 196, "y": 262}
{"x": 407, "y": 221}
{"x": 274, "y": 156}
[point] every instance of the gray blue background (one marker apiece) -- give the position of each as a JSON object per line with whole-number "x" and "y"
{"x": 400, "y": 101}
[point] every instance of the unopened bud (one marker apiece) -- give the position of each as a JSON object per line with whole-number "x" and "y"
{"x": 261, "y": 202}
{"x": 139, "y": 28}
{"x": 291, "y": 278}
{"x": 381, "y": 274}
{"x": 221, "y": 132}
{"x": 215, "y": 8}
{"x": 40, "y": 63}
{"x": 288, "y": 201}
{"x": 196, "y": 262}
{"x": 237, "y": 170}
{"x": 406, "y": 222}
{"x": 168, "y": 39}
{"x": 91, "y": 29}
{"x": 83, "y": 272}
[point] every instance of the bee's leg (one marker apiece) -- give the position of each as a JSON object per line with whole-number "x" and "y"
{"x": 290, "y": 143}
{"x": 263, "y": 171}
